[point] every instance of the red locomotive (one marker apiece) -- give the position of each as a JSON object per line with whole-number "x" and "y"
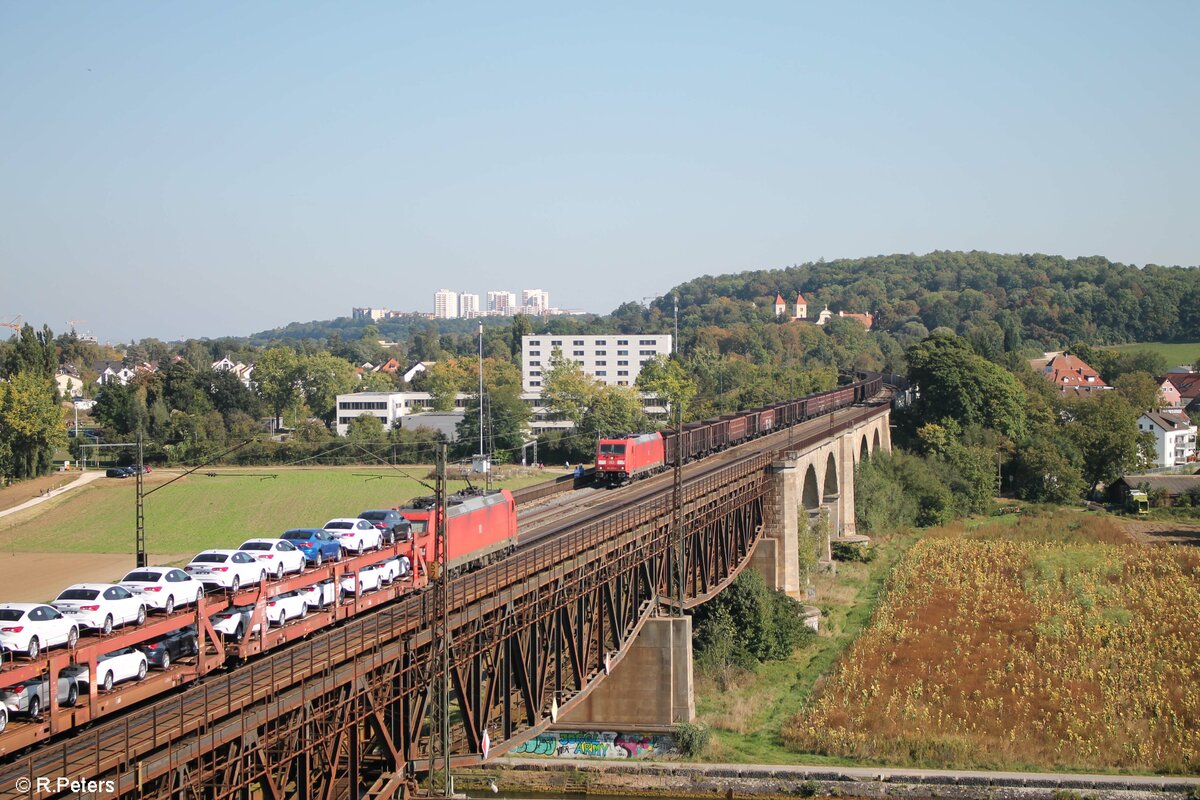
{"x": 628, "y": 457}
{"x": 480, "y": 528}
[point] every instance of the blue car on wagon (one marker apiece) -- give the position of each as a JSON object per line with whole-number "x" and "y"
{"x": 317, "y": 545}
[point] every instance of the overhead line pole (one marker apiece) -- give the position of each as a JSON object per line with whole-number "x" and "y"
{"x": 677, "y": 521}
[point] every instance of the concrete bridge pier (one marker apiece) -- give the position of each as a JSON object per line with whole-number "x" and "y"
{"x": 649, "y": 690}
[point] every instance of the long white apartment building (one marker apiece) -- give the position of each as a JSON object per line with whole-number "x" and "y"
{"x": 502, "y": 303}
{"x": 615, "y": 359}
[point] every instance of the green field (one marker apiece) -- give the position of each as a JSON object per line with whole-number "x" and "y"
{"x": 203, "y": 511}
{"x": 1174, "y": 352}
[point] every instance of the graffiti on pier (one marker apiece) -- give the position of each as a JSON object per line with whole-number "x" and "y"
{"x": 604, "y": 744}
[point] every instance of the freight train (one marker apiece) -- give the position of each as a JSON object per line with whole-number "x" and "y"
{"x": 625, "y": 458}
{"x": 481, "y": 528}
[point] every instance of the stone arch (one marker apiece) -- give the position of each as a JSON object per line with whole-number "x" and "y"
{"x": 864, "y": 452}
{"x": 830, "y": 489}
{"x": 810, "y": 497}
{"x": 875, "y": 444}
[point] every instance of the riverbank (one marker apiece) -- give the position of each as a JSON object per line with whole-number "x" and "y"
{"x": 559, "y": 777}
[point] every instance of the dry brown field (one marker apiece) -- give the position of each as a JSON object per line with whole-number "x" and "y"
{"x": 1056, "y": 641}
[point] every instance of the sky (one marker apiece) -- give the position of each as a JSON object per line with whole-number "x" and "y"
{"x": 178, "y": 170}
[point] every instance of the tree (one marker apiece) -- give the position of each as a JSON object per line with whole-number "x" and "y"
{"x": 521, "y": 326}
{"x": 955, "y": 383}
{"x": 1043, "y": 472}
{"x": 666, "y": 378}
{"x": 1103, "y": 427}
{"x": 1140, "y": 389}
{"x": 32, "y": 424}
{"x": 324, "y": 377}
{"x": 567, "y": 388}
{"x": 365, "y": 428}
{"x": 277, "y": 374}
{"x": 614, "y": 410}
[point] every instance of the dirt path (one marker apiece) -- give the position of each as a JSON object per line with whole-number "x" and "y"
{"x": 39, "y": 577}
{"x": 1161, "y": 531}
{"x": 80, "y": 480}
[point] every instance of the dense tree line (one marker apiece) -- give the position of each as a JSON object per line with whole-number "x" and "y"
{"x": 32, "y": 422}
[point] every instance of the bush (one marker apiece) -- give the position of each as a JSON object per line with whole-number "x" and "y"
{"x": 691, "y": 738}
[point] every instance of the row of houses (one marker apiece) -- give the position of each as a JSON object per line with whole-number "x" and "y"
{"x": 1172, "y": 428}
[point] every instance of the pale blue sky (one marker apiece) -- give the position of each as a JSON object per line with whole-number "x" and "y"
{"x": 208, "y": 169}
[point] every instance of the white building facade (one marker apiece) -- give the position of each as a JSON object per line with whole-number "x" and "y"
{"x": 1174, "y": 437}
{"x": 535, "y": 301}
{"x": 445, "y": 304}
{"x": 615, "y": 359}
{"x": 389, "y": 407}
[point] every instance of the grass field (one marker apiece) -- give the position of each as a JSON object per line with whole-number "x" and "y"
{"x": 746, "y": 717}
{"x": 199, "y": 511}
{"x": 1174, "y": 352}
{"x": 1052, "y": 642}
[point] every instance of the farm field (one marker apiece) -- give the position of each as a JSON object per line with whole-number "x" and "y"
{"x": 1174, "y": 352}
{"x": 1050, "y": 642}
{"x": 203, "y": 511}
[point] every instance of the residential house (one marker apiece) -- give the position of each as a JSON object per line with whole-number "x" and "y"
{"x": 242, "y": 371}
{"x": 1174, "y": 437}
{"x": 1169, "y": 394}
{"x": 68, "y": 381}
{"x": 113, "y": 372}
{"x": 1072, "y": 375}
{"x": 866, "y": 320}
{"x": 416, "y": 369}
{"x": 1187, "y": 384}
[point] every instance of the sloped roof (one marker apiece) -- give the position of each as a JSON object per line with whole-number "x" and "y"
{"x": 1188, "y": 383}
{"x": 1173, "y": 485}
{"x": 1168, "y": 421}
{"x": 1066, "y": 371}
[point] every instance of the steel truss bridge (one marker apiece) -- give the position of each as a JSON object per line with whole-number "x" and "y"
{"x": 344, "y": 713}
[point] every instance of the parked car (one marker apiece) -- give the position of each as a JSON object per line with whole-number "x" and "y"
{"x": 356, "y": 535}
{"x": 32, "y": 696}
{"x": 395, "y": 527}
{"x": 161, "y": 651}
{"x": 317, "y": 545}
{"x": 229, "y": 569}
{"x": 126, "y": 664}
{"x": 163, "y": 588}
{"x": 321, "y": 595}
{"x": 279, "y": 555}
{"x": 29, "y": 627}
{"x": 117, "y": 472}
{"x": 101, "y": 606}
{"x": 3, "y": 716}
{"x": 365, "y": 580}
{"x": 287, "y": 606}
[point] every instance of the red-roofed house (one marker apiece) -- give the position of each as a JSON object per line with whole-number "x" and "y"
{"x": 780, "y": 305}
{"x": 801, "y": 307}
{"x": 1171, "y": 398}
{"x": 1072, "y": 375}
{"x": 1187, "y": 384}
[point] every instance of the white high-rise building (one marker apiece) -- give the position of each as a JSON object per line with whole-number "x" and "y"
{"x": 535, "y": 301}
{"x": 499, "y": 302}
{"x": 445, "y": 304}
{"x": 468, "y": 305}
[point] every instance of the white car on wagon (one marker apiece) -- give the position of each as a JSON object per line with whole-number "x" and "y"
{"x": 101, "y": 606}
{"x": 278, "y": 555}
{"x": 30, "y": 627}
{"x": 229, "y": 569}
{"x": 355, "y": 535}
{"x": 163, "y": 588}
